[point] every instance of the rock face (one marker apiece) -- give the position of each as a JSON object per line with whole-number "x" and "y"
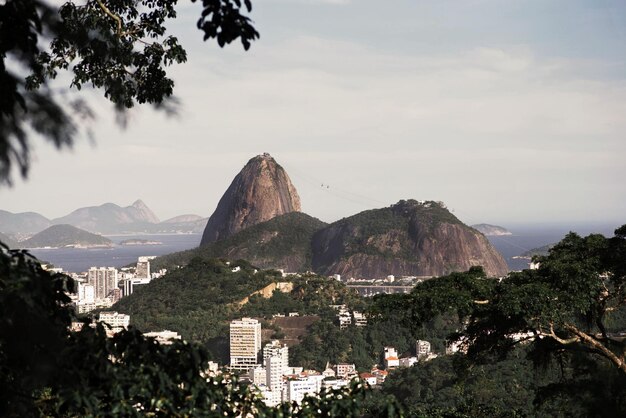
{"x": 261, "y": 191}
{"x": 409, "y": 238}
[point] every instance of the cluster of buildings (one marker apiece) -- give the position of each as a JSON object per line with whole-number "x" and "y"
{"x": 267, "y": 366}
{"x": 423, "y": 353}
{"x": 347, "y": 318}
{"x": 101, "y": 287}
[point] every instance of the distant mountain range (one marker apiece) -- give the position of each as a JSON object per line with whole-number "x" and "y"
{"x": 108, "y": 218}
{"x": 24, "y": 224}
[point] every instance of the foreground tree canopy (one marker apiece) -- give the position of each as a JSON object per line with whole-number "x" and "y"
{"x": 47, "y": 370}
{"x": 574, "y": 302}
{"x": 120, "y": 47}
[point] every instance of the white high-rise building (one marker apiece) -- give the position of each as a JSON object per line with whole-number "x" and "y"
{"x": 275, "y": 349}
{"x": 143, "y": 267}
{"x": 103, "y": 279}
{"x": 275, "y": 366}
{"x": 245, "y": 343}
{"x": 86, "y": 293}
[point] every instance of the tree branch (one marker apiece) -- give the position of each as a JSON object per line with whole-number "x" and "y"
{"x": 604, "y": 351}
{"x": 559, "y": 339}
{"x": 113, "y": 16}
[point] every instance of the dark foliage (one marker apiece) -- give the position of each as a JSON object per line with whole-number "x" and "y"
{"x": 118, "y": 46}
{"x": 46, "y": 370}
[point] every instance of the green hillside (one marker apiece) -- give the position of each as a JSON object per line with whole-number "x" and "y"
{"x": 194, "y": 300}
{"x": 63, "y": 236}
{"x": 543, "y": 250}
{"x": 359, "y": 229}
{"x": 282, "y": 242}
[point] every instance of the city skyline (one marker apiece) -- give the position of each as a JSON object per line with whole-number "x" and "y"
{"x": 506, "y": 112}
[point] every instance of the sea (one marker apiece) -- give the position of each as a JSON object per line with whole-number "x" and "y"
{"x": 530, "y": 236}
{"x": 77, "y": 260}
{"x": 524, "y": 237}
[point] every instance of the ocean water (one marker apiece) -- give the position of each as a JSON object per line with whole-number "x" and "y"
{"x": 528, "y": 237}
{"x": 77, "y": 260}
{"x": 524, "y": 238}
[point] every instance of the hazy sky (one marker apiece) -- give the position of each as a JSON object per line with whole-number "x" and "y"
{"x": 508, "y": 111}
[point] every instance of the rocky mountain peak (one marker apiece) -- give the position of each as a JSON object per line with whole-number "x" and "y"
{"x": 143, "y": 212}
{"x": 261, "y": 191}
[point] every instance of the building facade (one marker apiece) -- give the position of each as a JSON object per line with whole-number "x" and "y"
{"x": 245, "y": 343}
{"x": 103, "y": 279}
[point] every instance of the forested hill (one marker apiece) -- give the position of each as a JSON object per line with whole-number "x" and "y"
{"x": 63, "y": 236}
{"x": 194, "y": 300}
{"x": 283, "y": 242}
{"x": 409, "y": 238}
{"x": 200, "y": 299}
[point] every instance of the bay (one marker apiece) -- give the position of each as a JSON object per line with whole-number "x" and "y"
{"x": 78, "y": 260}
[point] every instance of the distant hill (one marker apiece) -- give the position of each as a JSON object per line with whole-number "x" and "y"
{"x": 8, "y": 241}
{"x": 25, "y": 223}
{"x": 110, "y": 218}
{"x": 182, "y": 219}
{"x": 409, "y": 238}
{"x": 180, "y": 224}
{"x": 543, "y": 250}
{"x": 107, "y": 218}
{"x": 64, "y": 236}
{"x": 491, "y": 230}
{"x": 282, "y": 242}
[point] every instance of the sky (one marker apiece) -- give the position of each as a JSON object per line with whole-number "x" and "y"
{"x": 510, "y": 112}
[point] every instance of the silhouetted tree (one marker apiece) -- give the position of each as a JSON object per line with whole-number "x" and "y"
{"x": 118, "y": 46}
{"x": 48, "y": 370}
{"x": 568, "y": 303}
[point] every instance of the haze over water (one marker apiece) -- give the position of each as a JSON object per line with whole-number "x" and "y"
{"x": 81, "y": 259}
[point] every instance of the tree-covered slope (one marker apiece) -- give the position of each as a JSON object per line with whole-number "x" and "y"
{"x": 63, "y": 236}
{"x": 283, "y": 242}
{"x": 408, "y": 238}
{"x": 194, "y": 300}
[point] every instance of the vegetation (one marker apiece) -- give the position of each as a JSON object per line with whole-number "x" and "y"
{"x": 63, "y": 236}
{"x": 197, "y": 301}
{"x": 400, "y": 219}
{"x": 565, "y": 315}
{"x": 47, "y": 370}
{"x": 282, "y": 241}
{"x": 556, "y": 373}
{"x": 539, "y": 251}
{"x": 119, "y": 47}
